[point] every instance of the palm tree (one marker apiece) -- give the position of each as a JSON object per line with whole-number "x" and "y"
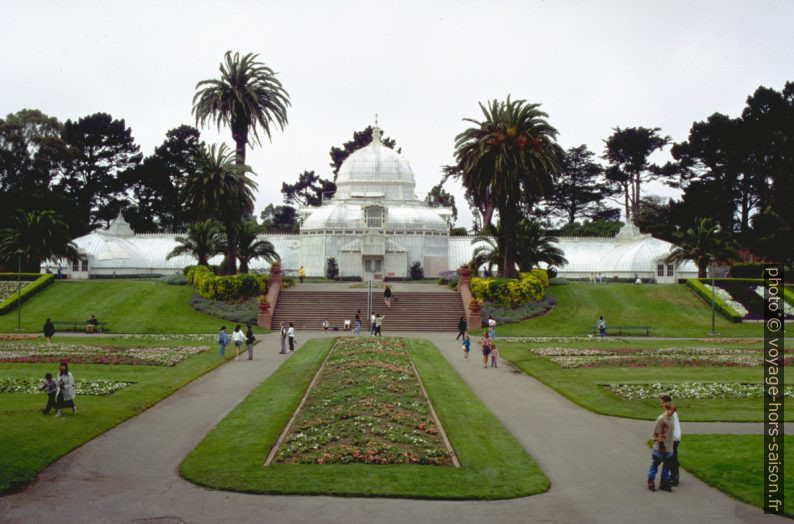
{"x": 511, "y": 159}
{"x": 488, "y": 252}
{"x": 35, "y": 236}
{"x": 702, "y": 244}
{"x": 533, "y": 246}
{"x": 251, "y": 247}
{"x": 221, "y": 189}
{"x": 203, "y": 241}
{"x": 246, "y": 97}
{"x": 531, "y": 242}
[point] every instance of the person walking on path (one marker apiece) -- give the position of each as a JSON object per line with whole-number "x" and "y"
{"x": 223, "y": 341}
{"x": 51, "y": 387}
{"x": 662, "y": 451}
{"x": 494, "y": 356}
{"x": 357, "y": 324}
{"x": 49, "y": 331}
{"x": 387, "y": 296}
{"x": 379, "y": 324}
{"x": 291, "y": 336}
{"x": 466, "y": 345}
{"x": 372, "y": 324}
{"x": 301, "y": 274}
{"x": 238, "y": 338}
{"x": 65, "y": 398}
{"x": 461, "y": 328}
{"x": 491, "y": 327}
{"x": 249, "y": 342}
{"x": 283, "y": 339}
{"x": 486, "y": 349}
{"x": 325, "y": 326}
{"x": 674, "y": 471}
{"x": 602, "y": 327}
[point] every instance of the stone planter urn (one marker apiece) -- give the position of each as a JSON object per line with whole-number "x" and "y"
{"x": 264, "y": 305}
{"x": 474, "y": 306}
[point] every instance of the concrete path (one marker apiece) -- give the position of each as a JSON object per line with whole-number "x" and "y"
{"x": 596, "y": 464}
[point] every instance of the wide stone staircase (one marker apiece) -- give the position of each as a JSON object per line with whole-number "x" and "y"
{"x": 414, "y": 311}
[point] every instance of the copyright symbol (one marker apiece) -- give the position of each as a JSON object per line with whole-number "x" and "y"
{"x": 773, "y": 324}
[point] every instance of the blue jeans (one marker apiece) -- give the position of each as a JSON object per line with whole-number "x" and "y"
{"x": 357, "y": 328}
{"x": 663, "y": 458}
{"x": 492, "y": 333}
{"x": 222, "y": 350}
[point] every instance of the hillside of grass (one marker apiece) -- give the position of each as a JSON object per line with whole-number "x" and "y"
{"x": 671, "y": 309}
{"x": 126, "y": 306}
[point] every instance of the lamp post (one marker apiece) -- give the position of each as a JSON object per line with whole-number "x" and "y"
{"x": 713, "y": 311}
{"x": 19, "y": 290}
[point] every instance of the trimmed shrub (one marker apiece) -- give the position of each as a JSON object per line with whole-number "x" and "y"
{"x": 417, "y": 273}
{"x": 507, "y": 292}
{"x": 540, "y": 274}
{"x": 331, "y": 268}
{"x": 240, "y": 312}
{"x": 231, "y": 288}
{"x": 36, "y": 282}
{"x": 722, "y": 308}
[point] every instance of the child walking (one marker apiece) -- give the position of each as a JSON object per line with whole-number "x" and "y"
{"x": 51, "y": 387}
{"x": 494, "y": 356}
{"x": 65, "y": 397}
{"x": 466, "y": 345}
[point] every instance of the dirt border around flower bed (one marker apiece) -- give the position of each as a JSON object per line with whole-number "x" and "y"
{"x": 288, "y": 428}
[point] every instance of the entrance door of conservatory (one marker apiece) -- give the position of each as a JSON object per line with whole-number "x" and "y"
{"x": 373, "y": 268}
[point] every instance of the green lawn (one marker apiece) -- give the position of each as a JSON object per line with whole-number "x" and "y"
{"x": 584, "y": 386}
{"x": 30, "y": 441}
{"x": 494, "y": 465}
{"x": 127, "y": 307}
{"x": 671, "y": 309}
{"x": 734, "y": 464}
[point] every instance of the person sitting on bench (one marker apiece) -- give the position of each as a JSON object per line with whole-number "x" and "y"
{"x": 91, "y": 324}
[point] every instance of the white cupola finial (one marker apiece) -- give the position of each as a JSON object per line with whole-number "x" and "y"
{"x": 376, "y": 131}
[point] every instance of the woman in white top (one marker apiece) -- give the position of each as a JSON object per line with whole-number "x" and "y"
{"x": 291, "y": 336}
{"x": 238, "y": 337}
{"x": 674, "y": 472}
{"x": 65, "y": 398}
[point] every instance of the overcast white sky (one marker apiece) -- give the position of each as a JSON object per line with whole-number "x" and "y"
{"x": 422, "y": 66}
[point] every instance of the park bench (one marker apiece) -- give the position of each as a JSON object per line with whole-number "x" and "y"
{"x": 619, "y": 331}
{"x": 78, "y": 325}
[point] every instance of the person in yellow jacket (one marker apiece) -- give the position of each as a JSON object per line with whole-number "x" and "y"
{"x": 301, "y": 274}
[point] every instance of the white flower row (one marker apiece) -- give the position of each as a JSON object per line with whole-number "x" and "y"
{"x": 692, "y": 390}
{"x": 788, "y": 309}
{"x": 728, "y": 299}
{"x": 99, "y": 387}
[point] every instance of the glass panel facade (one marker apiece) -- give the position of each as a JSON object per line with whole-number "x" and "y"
{"x": 374, "y": 216}
{"x": 670, "y": 270}
{"x": 660, "y": 270}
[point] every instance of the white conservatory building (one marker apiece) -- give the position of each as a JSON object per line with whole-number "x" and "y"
{"x": 375, "y": 227}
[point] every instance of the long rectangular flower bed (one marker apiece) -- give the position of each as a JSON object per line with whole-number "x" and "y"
{"x": 98, "y": 387}
{"x": 21, "y": 352}
{"x": 654, "y": 357}
{"x": 692, "y": 390}
{"x": 367, "y": 406}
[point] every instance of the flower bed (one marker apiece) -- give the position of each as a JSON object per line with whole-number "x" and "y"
{"x": 788, "y": 309}
{"x": 366, "y": 407}
{"x": 19, "y": 352}
{"x": 99, "y": 387}
{"x": 7, "y": 288}
{"x": 654, "y": 357}
{"x": 693, "y": 390}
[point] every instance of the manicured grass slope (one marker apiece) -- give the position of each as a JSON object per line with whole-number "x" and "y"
{"x": 494, "y": 465}
{"x": 584, "y": 386}
{"x": 734, "y": 464}
{"x": 30, "y": 441}
{"x": 126, "y": 306}
{"x": 671, "y": 309}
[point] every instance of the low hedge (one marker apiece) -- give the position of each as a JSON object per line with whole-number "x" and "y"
{"x": 722, "y": 308}
{"x": 35, "y": 285}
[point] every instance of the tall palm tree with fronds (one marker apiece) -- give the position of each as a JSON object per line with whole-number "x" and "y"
{"x": 510, "y": 158}
{"x": 246, "y": 97}
{"x": 487, "y": 252}
{"x": 702, "y": 244}
{"x": 35, "y": 236}
{"x": 251, "y": 247}
{"x": 204, "y": 240}
{"x": 220, "y": 188}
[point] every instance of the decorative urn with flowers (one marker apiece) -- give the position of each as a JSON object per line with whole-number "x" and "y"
{"x": 264, "y": 305}
{"x": 475, "y": 305}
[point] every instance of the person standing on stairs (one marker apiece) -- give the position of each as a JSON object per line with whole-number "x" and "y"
{"x": 357, "y": 325}
{"x": 291, "y": 336}
{"x": 387, "y": 296}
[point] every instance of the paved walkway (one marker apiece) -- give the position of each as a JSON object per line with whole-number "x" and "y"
{"x": 596, "y": 464}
